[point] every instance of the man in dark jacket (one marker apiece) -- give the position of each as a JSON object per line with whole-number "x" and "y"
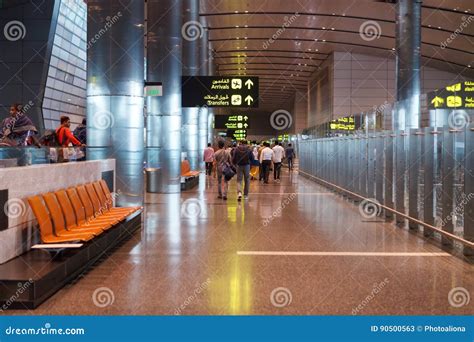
{"x": 81, "y": 132}
{"x": 242, "y": 158}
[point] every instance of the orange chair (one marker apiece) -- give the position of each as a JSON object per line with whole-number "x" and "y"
{"x": 79, "y": 209}
{"x": 186, "y": 170}
{"x": 108, "y": 205}
{"x": 46, "y": 225}
{"x": 70, "y": 216}
{"x": 102, "y": 208}
{"x": 90, "y": 207}
{"x": 58, "y": 219}
{"x": 108, "y": 195}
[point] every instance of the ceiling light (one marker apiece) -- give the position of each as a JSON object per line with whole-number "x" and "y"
{"x": 236, "y": 11}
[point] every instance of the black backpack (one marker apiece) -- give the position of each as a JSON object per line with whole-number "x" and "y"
{"x": 49, "y": 138}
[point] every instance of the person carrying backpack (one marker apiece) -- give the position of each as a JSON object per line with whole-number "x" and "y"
{"x": 64, "y": 134}
{"x": 242, "y": 158}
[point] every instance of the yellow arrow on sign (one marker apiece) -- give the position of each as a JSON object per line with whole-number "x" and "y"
{"x": 437, "y": 101}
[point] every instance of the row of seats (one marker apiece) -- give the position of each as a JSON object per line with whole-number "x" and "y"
{"x": 186, "y": 170}
{"x": 77, "y": 214}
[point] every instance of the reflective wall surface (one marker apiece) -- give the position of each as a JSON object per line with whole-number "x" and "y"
{"x": 115, "y": 91}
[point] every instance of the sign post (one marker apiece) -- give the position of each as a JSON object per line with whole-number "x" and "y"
{"x": 456, "y": 96}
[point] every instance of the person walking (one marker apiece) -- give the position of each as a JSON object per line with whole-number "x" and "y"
{"x": 278, "y": 154}
{"x": 290, "y": 155}
{"x": 81, "y": 132}
{"x": 223, "y": 159}
{"x": 255, "y": 164}
{"x": 242, "y": 158}
{"x": 208, "y": 158}
{"x": 260, "y": 170}
{"x": 266, "y": 158}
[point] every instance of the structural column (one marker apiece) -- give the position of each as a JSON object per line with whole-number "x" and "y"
{"x": 408, "y": 44}
{"x": 203, "y": 111}
{"x": 115, "y": 91}
{"x": 210, "y": 115}
{"x": 192, "y": 34}
{"x": 164, "y": 64}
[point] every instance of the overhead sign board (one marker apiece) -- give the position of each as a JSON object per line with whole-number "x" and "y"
{"x": 456, "y": 96}
{"x": 343, "y": 124}
{"x": 237, "y": 134}
{"x": 214, "y": 91}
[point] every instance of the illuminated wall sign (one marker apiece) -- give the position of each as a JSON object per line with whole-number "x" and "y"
{"x": 153, "y": 89}
{"x": 214, "y": 91}
{"x": 343, "y": 124}
{"x": 459, "y": 95}
{"x": 237, "y": 134}
{"x": 240, "y": 121}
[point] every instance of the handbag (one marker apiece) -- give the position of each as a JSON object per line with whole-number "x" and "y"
{"x": 228, "y": 171}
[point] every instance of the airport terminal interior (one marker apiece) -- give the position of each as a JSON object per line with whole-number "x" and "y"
{"x": 236, "y": 157}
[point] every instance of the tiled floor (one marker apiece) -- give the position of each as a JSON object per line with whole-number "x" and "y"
{"x": 185, "y": 261}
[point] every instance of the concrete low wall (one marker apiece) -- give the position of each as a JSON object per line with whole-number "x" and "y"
{"x": 18, "y": 227}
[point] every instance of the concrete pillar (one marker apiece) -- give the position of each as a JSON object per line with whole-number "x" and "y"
{"x": 408, "y": 60}
{"x": 203, "y": 111}
{"x": 164, "y": 64}
{"x": 192, "y": 34}
{"x": 115, "y": 91}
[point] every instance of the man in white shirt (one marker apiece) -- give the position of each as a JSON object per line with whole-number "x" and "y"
{"x": 266, "y": 158}
{"x": 278, "y": 155}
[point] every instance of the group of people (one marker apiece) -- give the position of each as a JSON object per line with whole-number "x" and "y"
{"x": 18, "y": 130}
{"x": 246, "y": 162}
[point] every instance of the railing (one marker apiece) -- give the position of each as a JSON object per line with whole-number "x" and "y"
{"x": 24, "y": 156}
{"x": 424, "y": 177}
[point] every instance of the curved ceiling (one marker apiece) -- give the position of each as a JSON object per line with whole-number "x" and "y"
{"x": 284, "y": 42}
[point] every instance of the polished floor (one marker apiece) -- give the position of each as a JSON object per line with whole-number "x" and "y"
{"x": 293, "y": 248}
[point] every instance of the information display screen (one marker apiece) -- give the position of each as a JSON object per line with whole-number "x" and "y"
{"x": 214, "y": 91}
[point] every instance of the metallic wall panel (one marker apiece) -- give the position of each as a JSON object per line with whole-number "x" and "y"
{"x": 468, "y": 232}
{"x": 428, "y": 174}
{"x": 363, "y": 167}
{"x": 408, "y": 58}
{"x": 400, "y": 176}
{"x": 389, "y": 153}
{"x": 164, "y": 64}
{"x": 447, "y": 182}
{"x": 191, "y": 64}
{"x": 379, "y": 168}
{"x": 415, "y": 141}
{"x": 115, "y": 92}
{"x": 371, "y": 167}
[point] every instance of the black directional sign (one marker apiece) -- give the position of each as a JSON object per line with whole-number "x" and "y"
{"x": 214, "y": 91}
{"x": 456, "y": 96}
